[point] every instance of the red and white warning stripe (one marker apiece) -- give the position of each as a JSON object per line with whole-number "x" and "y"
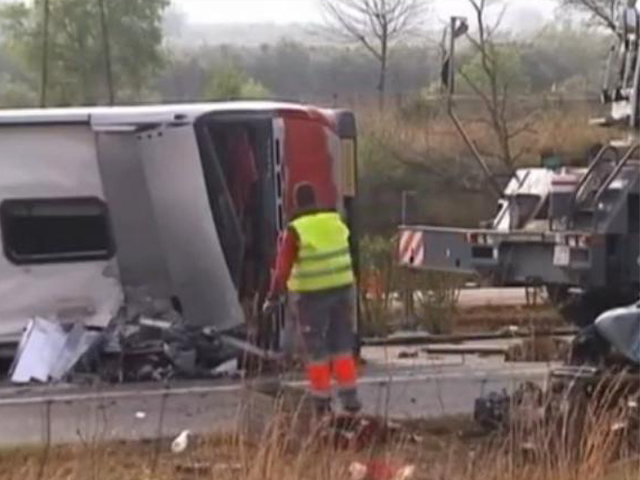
{"x": 564, "y": 183}
{"x": 411, "y": 250}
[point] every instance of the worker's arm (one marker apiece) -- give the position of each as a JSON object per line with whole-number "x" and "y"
{"x": 287, "y": 254}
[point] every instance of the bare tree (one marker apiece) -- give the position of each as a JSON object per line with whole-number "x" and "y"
{"x": 602, "y": 12}
{"x": 376, "y": 25}
{"x": 493, "y": 86}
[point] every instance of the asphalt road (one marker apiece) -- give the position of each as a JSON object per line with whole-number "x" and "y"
{"x": 412, "y": 389}
{"x": 482, "y": 297}
{"x": 406, "y": 389}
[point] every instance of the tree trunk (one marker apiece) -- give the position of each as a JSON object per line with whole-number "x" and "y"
{"x": 45, "y": 55}
{"x": 382, "y": 84}
{"x": 106, "y": 46}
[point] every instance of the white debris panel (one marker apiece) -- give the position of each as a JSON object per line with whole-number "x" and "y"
{"x": 47, "y": 351}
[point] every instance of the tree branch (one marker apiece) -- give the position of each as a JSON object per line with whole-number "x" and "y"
{"x": 603, "y": 12}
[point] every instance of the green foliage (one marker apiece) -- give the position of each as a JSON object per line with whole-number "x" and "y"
{"x": 377, "y": 286}
{"x": 328, "y": 74}
{"x": 15, "y": 94}
{"x": 76, "y": 47}
{"x": 392, "y": 160}
{"x": 563, "y": 57}
{"x": 437, "y": 296}
{"x": 506, "y": 61}
{"x": 384, "y": 283}
{"x": 230, "y": 83}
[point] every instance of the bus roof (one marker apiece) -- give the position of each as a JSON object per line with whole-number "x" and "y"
{"x": 144, "y": 114}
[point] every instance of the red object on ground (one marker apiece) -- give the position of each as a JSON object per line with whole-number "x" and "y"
{"x": 381, "y": 469}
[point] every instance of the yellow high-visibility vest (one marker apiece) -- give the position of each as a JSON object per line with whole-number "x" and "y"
{"x": 324, "y": 258}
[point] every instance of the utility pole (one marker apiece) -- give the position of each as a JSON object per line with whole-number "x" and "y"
{"x": 45, "y": 55}
{"x": 459, "y": 27}
{"x": 406, "y": 211}
{"x": 106, "y": 45}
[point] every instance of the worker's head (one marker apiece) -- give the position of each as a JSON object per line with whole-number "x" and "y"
{"x": 305, "y": 197}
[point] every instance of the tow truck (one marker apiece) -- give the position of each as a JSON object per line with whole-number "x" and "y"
{"x": 572, "y": 230}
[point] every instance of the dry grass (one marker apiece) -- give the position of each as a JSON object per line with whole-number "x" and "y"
{"x": 424, "y": 153}
{"x": 432, "y": 138}
{"x": 448, "y": 449}
{"x": 220, "y": 458}
{"x": 495, "y": 317}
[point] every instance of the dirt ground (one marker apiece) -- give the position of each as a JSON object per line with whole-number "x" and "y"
{"x": 489, "y": 318}
{"x": 423, "y": 444}
{"x": 449, "y": 448}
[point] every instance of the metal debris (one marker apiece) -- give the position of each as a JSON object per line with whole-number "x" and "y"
{"x": 621, "y": 328}
{"x": 48, "y": 351}
{"x": 140, "y": 347}
{"x": 498, "y": 410}
{"x": 491, "y": 412}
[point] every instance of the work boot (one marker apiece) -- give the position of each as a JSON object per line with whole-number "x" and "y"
{"x": 350, "y": 401}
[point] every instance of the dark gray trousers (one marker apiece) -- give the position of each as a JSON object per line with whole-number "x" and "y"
{"x": 325, "y": 319}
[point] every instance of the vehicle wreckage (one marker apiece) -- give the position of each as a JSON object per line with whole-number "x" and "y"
{"x": 576, "y": 231}
{"x": 599, "y": 383}
{"x": 572, "y": 229}
{"x": 144, "y": 236}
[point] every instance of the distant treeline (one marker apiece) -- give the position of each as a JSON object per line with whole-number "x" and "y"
{"x": 149, "y": 66}
{"x": 560, "y": 60}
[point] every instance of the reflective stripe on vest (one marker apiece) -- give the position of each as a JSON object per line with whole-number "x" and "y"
{"x": 324, "y": 258}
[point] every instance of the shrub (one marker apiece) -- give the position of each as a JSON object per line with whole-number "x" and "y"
{"x": 385, "y": 284}
{"x": 377, "y": 284}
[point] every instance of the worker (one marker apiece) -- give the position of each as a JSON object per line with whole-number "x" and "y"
{"x": 314, "y": 261}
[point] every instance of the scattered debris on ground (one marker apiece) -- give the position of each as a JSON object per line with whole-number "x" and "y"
{"x": 150, "y": 341}
{"x": 602, "y": 373}
{"x": 229, "y": 458}
{"x": 454, "y": 448}
{"x": 539, "y": 349}
{"x": 48, "y": 351}
{"x": 147, "y": 341}
{"x": 299, "y": 425}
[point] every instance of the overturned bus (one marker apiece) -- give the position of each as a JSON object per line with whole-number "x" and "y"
{"x": 176, "y": 204}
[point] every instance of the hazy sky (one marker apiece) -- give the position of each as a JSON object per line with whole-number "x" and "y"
{"x": 288, "y": 11}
